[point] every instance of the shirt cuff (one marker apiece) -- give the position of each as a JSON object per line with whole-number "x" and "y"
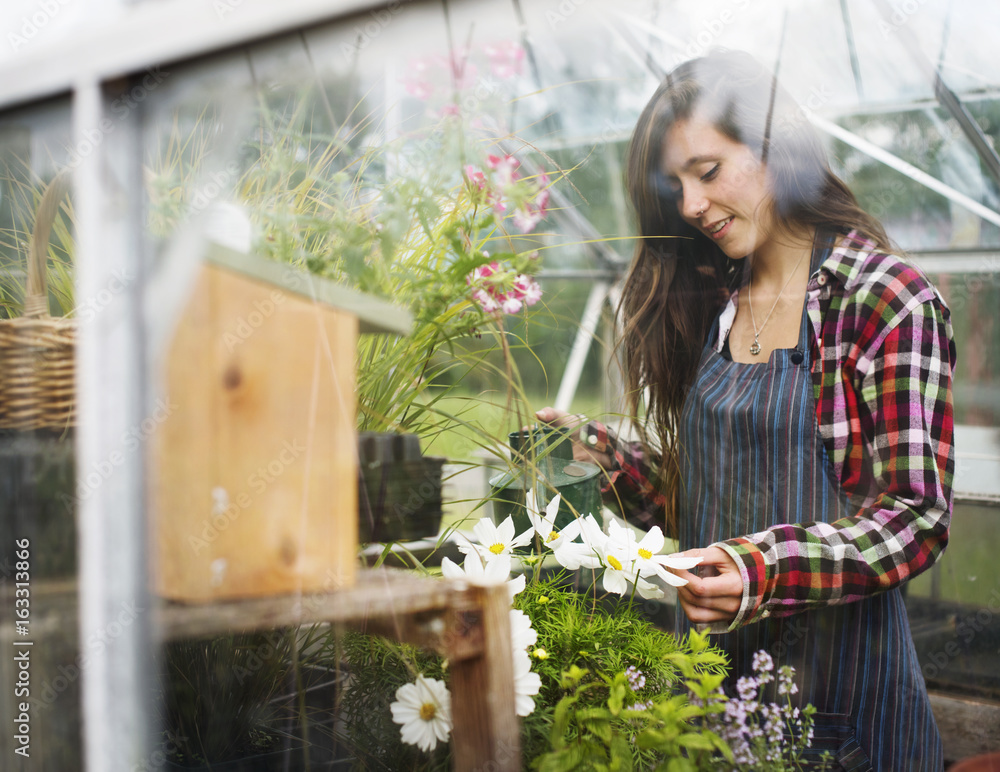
{"x": 756, "y": 576}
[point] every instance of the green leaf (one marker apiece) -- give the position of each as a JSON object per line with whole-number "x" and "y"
{"x": 600, "y": 726}
{"x": 617, "y": 698}
{"x": 621, "y": 754}
{"x": 695, "y": 741}
{"x": 565, "y": 760}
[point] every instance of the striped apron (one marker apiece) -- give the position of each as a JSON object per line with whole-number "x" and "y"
{"x": 752, "y": 457}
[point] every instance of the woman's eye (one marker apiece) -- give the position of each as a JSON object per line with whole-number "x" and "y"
{"x": 710, "y": 174}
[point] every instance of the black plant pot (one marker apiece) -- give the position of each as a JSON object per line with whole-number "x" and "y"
{"x": 399, "y": 490}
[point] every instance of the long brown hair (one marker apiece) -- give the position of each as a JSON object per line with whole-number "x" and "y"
{"x": 679, "y": 279}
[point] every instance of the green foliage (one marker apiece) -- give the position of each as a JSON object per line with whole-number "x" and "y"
{"x": 576, "y": 634}
{"x": 615, "y": 736}
{"x": 378, "y": 667}
{"x": 215, "y": 694}
{"x": 23, "y": 190}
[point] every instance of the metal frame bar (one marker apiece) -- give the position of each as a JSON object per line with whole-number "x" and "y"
{"x": 581, "y": 345}
{"x": 158, "y": 34}
{"x": 949, "y": 99}
{"x": 903, "y": 167}
{"x": 110, "y": 380}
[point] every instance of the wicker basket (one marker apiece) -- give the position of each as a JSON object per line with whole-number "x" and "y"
{"x": 36, "y": 349}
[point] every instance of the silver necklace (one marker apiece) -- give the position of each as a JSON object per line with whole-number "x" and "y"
{"x": 755, "y": 346}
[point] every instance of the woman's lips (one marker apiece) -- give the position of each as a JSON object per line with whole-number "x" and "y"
{"x": 720, "y": 228}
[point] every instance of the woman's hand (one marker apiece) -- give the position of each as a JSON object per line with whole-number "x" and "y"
{"x": 715, "y": 593}
{"x": 581, "y": 451}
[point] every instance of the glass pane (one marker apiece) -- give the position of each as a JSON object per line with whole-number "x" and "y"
{"x": 399, "y": 154}
{"x": 38, "y": 492}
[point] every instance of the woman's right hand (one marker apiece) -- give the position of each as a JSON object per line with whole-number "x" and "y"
{"x": 573, "y": 422}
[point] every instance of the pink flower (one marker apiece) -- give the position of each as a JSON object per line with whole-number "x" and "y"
{"x": 506, "y": 168}
{"x": 510, "y": 305}
{"x": 527, "y": 289}
{"x": 531, "y": 213}
{"x": 486, "y": 301}
{"x": 475, "y": 176}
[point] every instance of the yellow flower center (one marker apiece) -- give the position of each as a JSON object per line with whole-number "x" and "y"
{"x": 497, "y": 548}
{"x": 427, "y": 711}
{"x": 614, "y": 563}
{"x": 645, "y": 554}
{"x": 553, "y": 535}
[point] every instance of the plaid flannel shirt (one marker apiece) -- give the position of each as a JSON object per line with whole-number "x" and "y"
{"x": 883, "y": 357}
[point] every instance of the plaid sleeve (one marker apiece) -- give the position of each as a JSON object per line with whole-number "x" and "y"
{"x": 630, "y": 485}
{"x": 896, "y": 461}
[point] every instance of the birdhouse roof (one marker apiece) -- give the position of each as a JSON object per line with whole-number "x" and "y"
{"x": 374, "y": 314}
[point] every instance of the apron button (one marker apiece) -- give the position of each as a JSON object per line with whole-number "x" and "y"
{"x": 796, "y": 357}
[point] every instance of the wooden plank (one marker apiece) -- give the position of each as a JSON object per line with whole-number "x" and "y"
{"x": 486, "y": 729}
{"x": 378, "y": 595}
{"x": 255, "y": 489}
{"x": 968, "y": 727}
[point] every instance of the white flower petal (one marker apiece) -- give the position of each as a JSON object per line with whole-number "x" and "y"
{"x": 451, "y": 570}
{"x": 526, "y": 684}
{"x": 678, "y": 561}
{"x": 515, "y": 585}
{"x": 522, "y": 634}
{"x": 648, "y": 590}
{"x": 415, "y": 729}
{"x": 653, "y": 540}
{"x": 614, "y": 581}
{"x": 505, "y": 531}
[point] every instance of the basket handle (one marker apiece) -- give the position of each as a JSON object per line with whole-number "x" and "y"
{"x": 36, "y": 295}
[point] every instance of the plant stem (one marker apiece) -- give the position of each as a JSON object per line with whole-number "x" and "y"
{"x": 423, "y": 371}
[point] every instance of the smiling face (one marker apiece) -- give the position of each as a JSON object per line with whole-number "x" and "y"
{"x": 721, "y": 187}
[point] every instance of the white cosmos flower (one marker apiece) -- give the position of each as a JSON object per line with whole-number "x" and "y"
{"x": 495, "y": 541}
{"x": 618, "y": 570}
{"x": 545, "y": 526}
{"x": 593, "y": 535}
{"x": 619, "y": 555}
{"x": 570, "y": 553}
{"x": 423, "y": 709}
{"x": 475, "y": 569}
{"x": 522, "y": 634}
{"x": 526, "y": 684}
{"x": 650, "y": 562}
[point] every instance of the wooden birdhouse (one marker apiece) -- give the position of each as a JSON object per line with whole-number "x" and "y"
{"x": 255, "y": 466}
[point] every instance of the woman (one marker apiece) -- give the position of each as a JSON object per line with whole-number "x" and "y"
{"x": 795, "y": 382}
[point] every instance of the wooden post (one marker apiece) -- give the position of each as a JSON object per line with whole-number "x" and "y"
{"x": 486, "y": 729}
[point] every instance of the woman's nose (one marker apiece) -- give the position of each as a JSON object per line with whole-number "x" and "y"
{"x": 692, "y": 204}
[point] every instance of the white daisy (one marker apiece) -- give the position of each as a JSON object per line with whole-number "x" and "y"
{"x": 650, "y": 562}
{"x": 526, "y": 684}
{"x": 475, "y": 569}
{"x": 619, "y": 555}
{"x": 593, "y": 534}
{"x": 618, "y": 571}
{"x": 423, "y": 709}
{"x": 570, "y": 553}
{"x": 545, "y": 526}
{"x": 495, "y": 541}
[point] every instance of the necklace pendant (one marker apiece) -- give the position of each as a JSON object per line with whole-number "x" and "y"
{"x": 755, "y": 347}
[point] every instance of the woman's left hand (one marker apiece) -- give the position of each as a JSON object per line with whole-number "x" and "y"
{"x": 715, "y": 593}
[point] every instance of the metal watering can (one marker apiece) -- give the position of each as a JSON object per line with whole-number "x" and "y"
{"x": 545, "y": 457}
